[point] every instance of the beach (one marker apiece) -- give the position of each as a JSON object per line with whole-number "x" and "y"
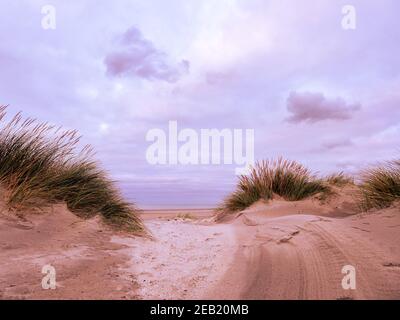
{"x": 269, "y": 251}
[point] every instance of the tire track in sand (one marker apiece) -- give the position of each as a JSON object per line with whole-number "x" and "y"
{"x": 309, "y": 264}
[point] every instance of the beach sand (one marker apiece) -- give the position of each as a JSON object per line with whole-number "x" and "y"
{"x": 275, "y": 250}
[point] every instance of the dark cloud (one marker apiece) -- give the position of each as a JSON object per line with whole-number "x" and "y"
{"x": 314, "y": 107}
{"x": 335, "y": 144}
{"x": 137, "y": 56}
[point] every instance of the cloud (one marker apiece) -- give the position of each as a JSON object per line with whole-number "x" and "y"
{"x": 313, "y": 107}
{"x": 137, "y": 56}
{"x": 337, "y": 143}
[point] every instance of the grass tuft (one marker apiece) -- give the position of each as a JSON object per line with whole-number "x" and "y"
{"x": 40, "y": 165}
{"x": 287, "y": 179}
{"x": 339, "y": 179}
{"x": 380, "y": 186}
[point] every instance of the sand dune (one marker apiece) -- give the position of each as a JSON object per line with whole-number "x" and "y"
{"x": 86, "y": 261}
{"x": 301, "y": 257}
{"x": 275, "y": 250}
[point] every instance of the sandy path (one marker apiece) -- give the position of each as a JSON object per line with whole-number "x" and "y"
{"x": 93, "y": 262}
{"x": 301, "y": 257}
{"x": 183, "y": 261}
{"x": 274, "y": 252}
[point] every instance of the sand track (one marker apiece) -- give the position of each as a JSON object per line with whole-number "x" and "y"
{"x": 301, "y": 257}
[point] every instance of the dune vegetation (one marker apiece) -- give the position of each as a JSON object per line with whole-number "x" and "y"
{"x": 42, "y": 165}
{"x": 339, "y": 179}
{"x": 380, "y": 185}
{"x": 288, "y": 179}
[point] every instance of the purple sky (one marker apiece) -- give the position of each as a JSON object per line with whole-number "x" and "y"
{"x": 312, "y": 91}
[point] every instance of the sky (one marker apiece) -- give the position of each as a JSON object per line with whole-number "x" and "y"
{"x": 312, "y": 90}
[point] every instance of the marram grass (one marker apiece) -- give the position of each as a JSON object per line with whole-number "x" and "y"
{"x": 339, "y": 179}
{"x": 380, "y": 185}
{"x": 41, "y": 165}
{"x": 287, "y": 179}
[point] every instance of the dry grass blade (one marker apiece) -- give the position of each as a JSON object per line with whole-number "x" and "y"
{"x": 339, "y": 179}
